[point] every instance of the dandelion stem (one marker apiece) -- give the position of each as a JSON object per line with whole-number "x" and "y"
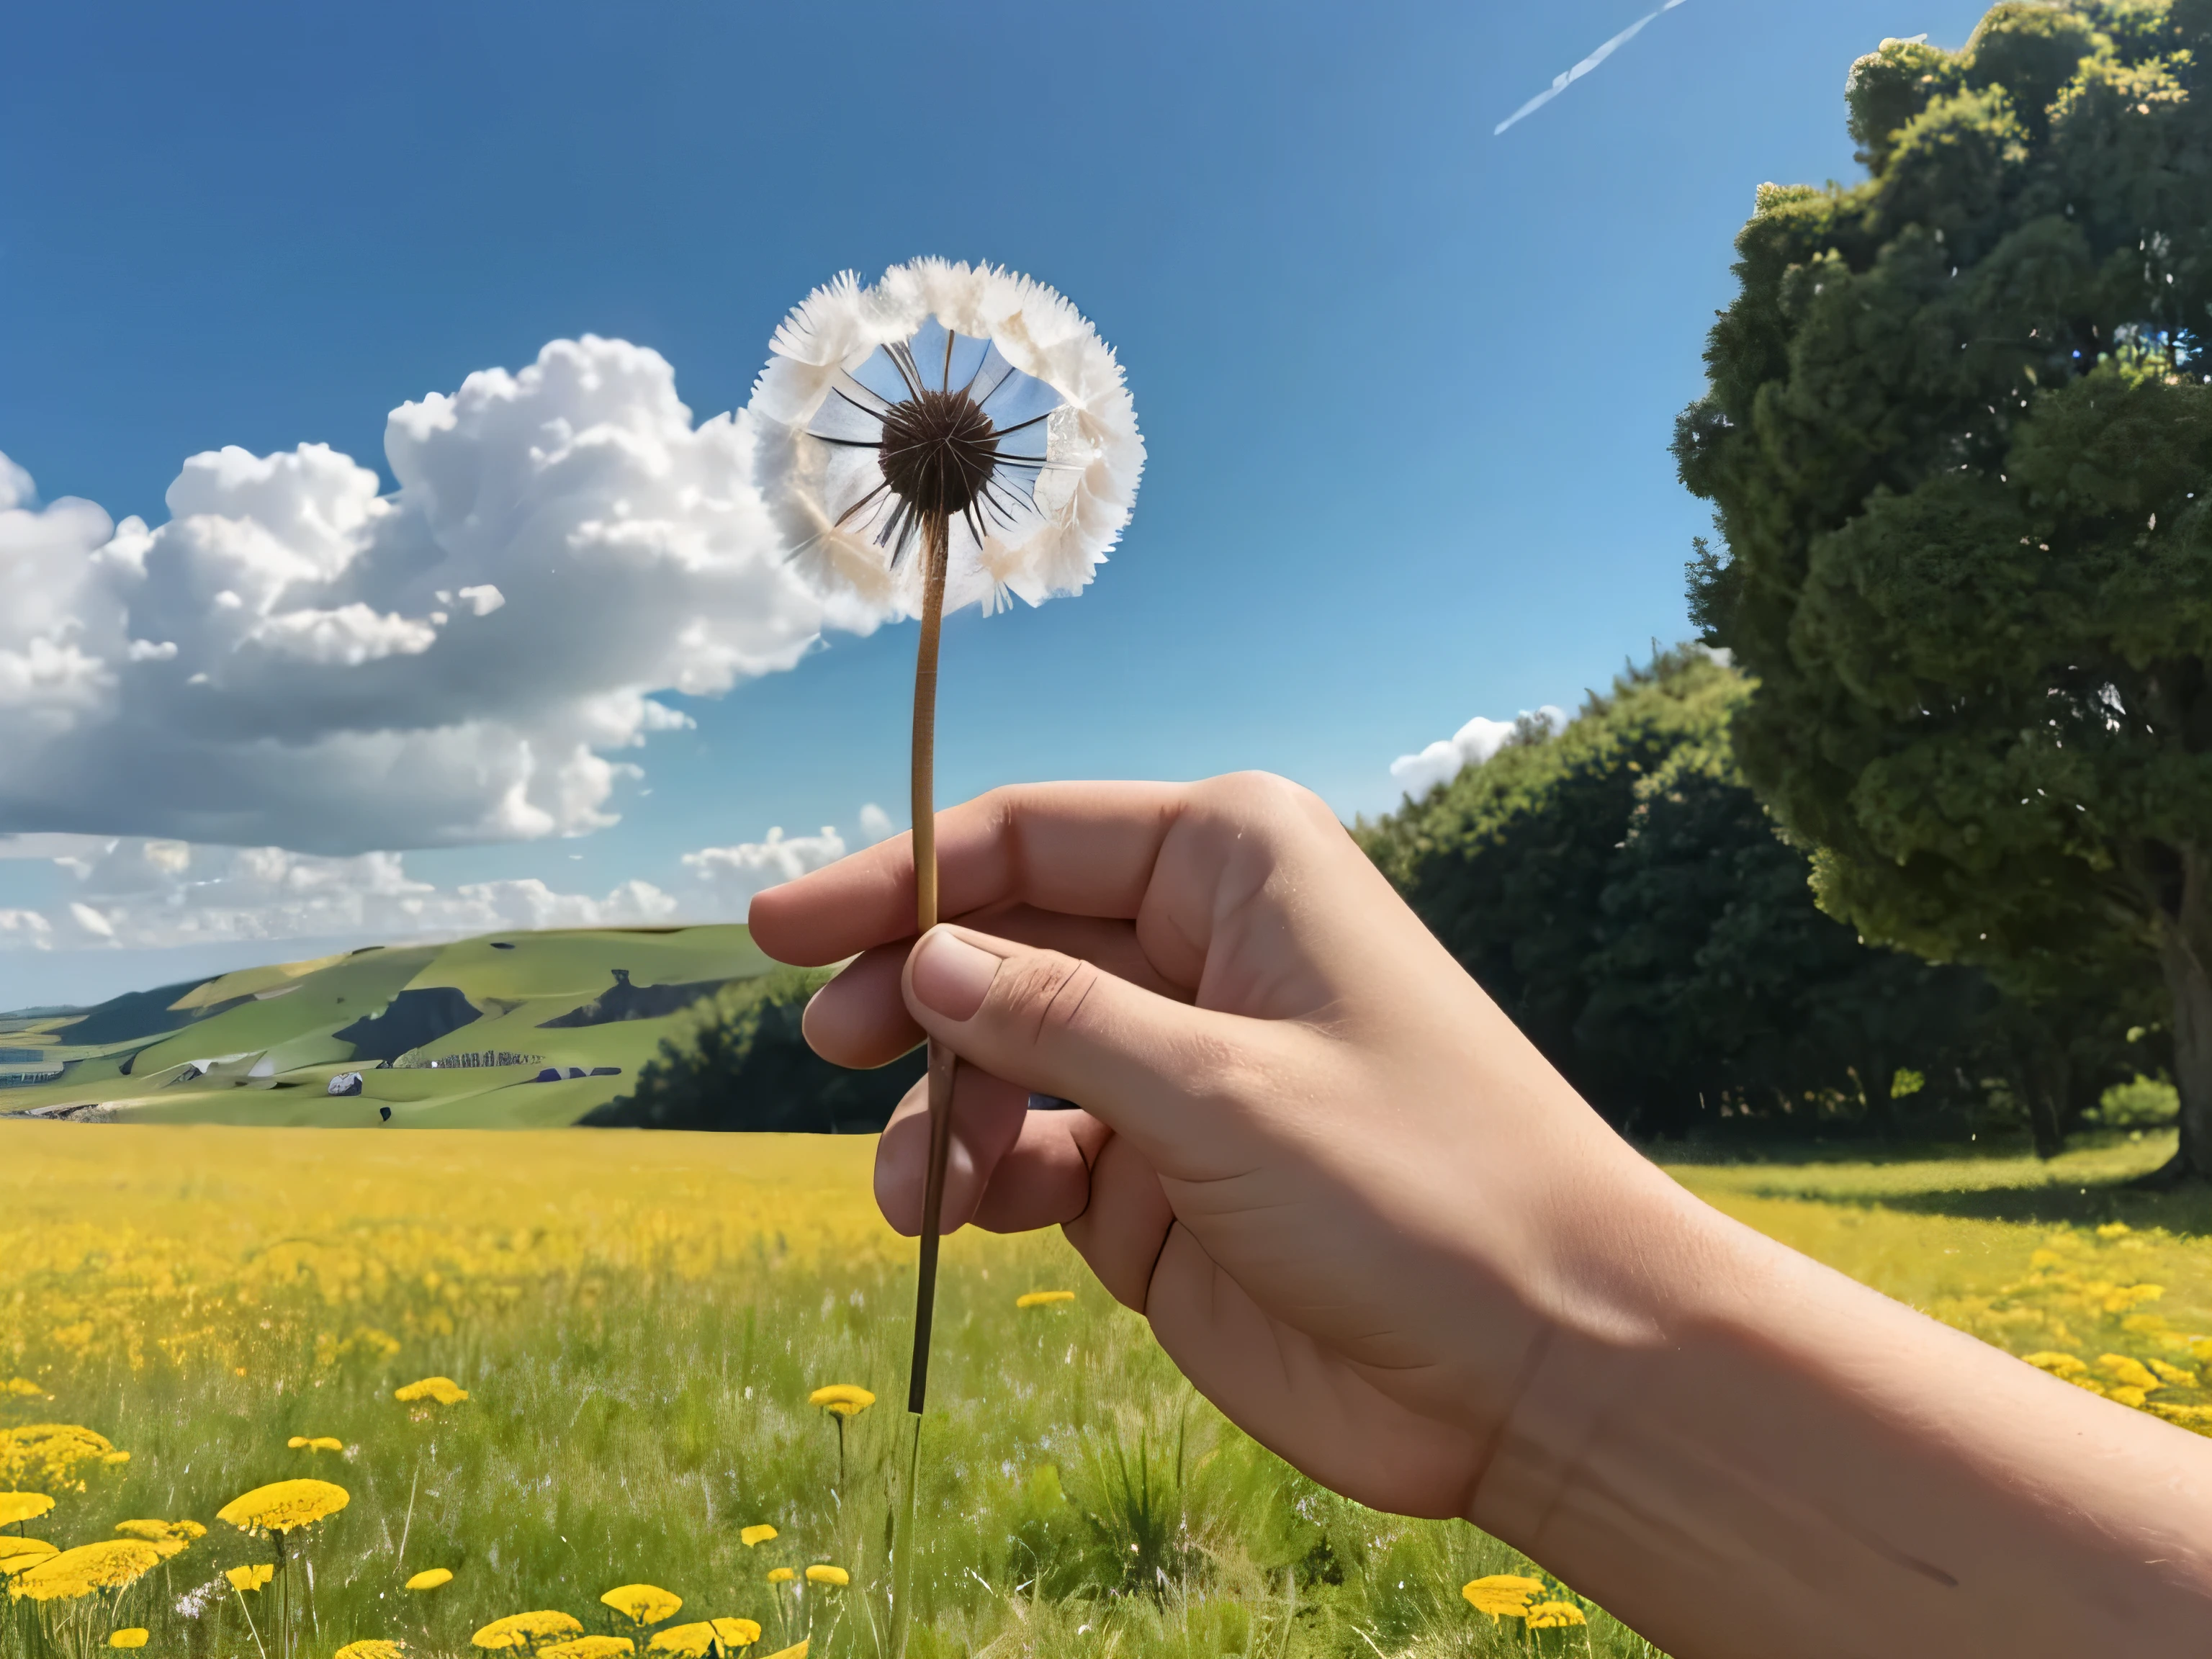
{"x": 903, "y": 1551}
{"x": 250, "y": 1630}
{"x": 936, "y": 534}
{"x": 400, "y": 1559}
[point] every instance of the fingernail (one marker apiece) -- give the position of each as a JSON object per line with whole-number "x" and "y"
{"x": 952, "y": 977}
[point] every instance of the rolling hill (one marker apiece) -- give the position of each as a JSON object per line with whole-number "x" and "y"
{"x": 512, "y": 1030}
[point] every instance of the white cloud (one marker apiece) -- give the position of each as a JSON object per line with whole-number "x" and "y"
{"x": 1471, "y": 745}
{"x": 875, "y": 825}
{"x": 732, "y": 875}
{"x": 141, "y": 893}
{"x": 292, "y": 658}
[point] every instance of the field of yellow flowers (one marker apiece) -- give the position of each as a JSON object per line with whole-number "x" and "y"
{"x": 578, "y": 1394}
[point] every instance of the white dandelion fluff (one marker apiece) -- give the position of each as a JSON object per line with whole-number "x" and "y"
{"x": 967, "y": 391}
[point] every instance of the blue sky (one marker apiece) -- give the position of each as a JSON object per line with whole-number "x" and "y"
{"x": 1406, "y": 387}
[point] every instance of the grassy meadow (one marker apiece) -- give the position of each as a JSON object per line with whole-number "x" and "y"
{"x": 640, "y": 1319}
{"x": 465, "y": 1035}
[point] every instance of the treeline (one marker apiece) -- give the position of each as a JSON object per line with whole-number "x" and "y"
{"x": 746, "y": 1065}
{"x": 1626, "y": 899}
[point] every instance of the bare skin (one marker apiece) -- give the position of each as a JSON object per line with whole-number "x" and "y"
{"x": 1373, "y": 1225}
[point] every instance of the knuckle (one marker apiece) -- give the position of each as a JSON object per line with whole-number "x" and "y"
{"x": 1268, "y": 800}
{"x": 1045, "y": 991}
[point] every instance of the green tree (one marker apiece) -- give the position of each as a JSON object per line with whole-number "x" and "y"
{"x": 1628, "y": 900}
{"x": 1957, "y": 433}
{"x": 746, "y": 1065}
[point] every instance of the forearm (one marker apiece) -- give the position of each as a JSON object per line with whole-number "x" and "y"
{"x": 1801, "y": 1459}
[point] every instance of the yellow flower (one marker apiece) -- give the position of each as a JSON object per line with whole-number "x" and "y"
{"x": 1503, "y": 1595}
{"x": 283, "y": 1504}
{"x": 133, "y": 1637}
{"x": 53, "y": 1456}
{"x": 431, "y": 1579}
{"x": 753, "y": 1537}
{"x": 161, "y": 1532}
{"x": 2180, "y": 1377}
{"x": 819, "y": 1575}
{"x": 2125, "y": 1394}
{"x": 115, "y": 1457}
{"x": 109, "y": 1564}
{"x": 321, "y": 1443}
{"x": 2058, "y": 1364}
{"x": 21, "y": 1388}
{"x": 799, "y": 1652}
{"x": 2114, "y": 1229}
{"x": 370, "y": 1649}
{"x": 17, "y": 1554}
{"x": 251, "y": 1578}
{"x": 781, "y": 1575}
{"x": 1555, "y": 1615}
{"x": 693, "y": 1641}
{"x": 846, "y": 1398}
{"x": 642, "y": 1604}
{"x": 589, "y": 1647}
{"x": 2132, "y": 1372}
{"x": 19, "y": 1506}
{"x": 522, "y": 1630}
{"x": 1043, "y": 1299}
{"x": 443, "y": 1389}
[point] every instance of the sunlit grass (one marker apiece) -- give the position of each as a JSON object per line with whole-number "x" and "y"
{"x": 639, "y": 1321}
{"x": 2041, "y": 1258}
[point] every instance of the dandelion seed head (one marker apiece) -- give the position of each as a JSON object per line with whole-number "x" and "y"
{"x": 953, "y": 388}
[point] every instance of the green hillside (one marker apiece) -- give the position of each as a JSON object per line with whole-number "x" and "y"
{"x": 460, "y": 1034}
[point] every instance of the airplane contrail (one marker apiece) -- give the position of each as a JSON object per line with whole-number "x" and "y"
{"x": 1561, "y": 82}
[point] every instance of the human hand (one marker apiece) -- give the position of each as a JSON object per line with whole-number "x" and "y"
{"x": 1371, "y": 1224}
{"x": 1353, "y": 1201}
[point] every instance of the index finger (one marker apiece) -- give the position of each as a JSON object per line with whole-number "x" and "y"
{"x": 1085, "y": 849}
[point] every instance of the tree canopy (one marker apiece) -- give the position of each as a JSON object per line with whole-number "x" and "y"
{"x": 746, "y": 1066}
{"x": 1958, "y": 439}
{"x": 1630, "y": 905}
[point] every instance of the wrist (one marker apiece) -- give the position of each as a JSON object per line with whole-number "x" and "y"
{"x": 1635, "y": 1275}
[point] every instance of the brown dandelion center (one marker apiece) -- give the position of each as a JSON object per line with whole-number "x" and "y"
{"x": 939, "y": 451}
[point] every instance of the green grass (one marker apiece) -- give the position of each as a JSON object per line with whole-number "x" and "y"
{"x": 640, "y": 1319}
{"x": 288, "y": 1031}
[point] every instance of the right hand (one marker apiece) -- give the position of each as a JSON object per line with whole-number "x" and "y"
{"x": 1355, "y": 1204}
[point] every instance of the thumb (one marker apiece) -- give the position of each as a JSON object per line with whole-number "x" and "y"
{"x": 1157, "y": 1071}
